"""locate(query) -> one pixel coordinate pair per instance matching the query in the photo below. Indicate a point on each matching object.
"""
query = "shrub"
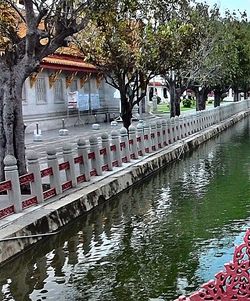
(187, 103)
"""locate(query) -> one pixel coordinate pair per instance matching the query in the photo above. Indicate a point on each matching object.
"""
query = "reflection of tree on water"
(143, 244)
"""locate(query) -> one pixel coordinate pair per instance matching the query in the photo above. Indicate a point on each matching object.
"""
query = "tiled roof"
(66, 62)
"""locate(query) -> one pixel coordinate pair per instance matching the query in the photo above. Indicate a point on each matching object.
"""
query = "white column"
(82, 150)
(107, 157)
(115, 138)
(55, 180)
(11, 174)
(96, 161)
(34, 167)
(68, 157)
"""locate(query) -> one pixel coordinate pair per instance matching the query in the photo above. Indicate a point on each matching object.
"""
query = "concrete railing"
(99, 156)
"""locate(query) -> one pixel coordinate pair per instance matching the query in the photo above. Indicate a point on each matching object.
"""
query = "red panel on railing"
(78, 160)
(93, 173)
(49, 193)
(132, 156)
(152, 135)
(105, 167)
(164, 132)
(159, 145)
(131, 141)
(113, 148)
(26, 179)
(91, 155)
(231, 284)
(103, 151)
(138, 139)
(29, 202)
(47, 172)
(115, 163)
(4, 186)
(169, 131)
(158, 134)
(7, 211)
(146, 137)
(140, 153)
(122, 144)
(153, 148)
(81, 179)
(64, 166)
(66, 185)
(147, 150)
(124, 160)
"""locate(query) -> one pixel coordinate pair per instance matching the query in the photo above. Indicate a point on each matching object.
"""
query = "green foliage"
(187, 103)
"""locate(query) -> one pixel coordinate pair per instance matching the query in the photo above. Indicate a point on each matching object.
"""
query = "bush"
(187, 103)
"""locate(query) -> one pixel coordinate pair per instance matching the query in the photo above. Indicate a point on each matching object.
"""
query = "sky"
(231, 5)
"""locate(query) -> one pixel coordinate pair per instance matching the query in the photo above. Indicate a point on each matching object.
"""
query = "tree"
(28, 33)
(121, 43)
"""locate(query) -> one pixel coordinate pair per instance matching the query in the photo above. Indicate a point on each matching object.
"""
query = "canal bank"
(50, 217)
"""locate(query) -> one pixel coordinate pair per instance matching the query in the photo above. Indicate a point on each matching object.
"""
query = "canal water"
(162, 238)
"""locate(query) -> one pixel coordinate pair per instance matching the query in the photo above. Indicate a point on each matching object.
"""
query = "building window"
(73, 86)
(58, 91)
(40, 88)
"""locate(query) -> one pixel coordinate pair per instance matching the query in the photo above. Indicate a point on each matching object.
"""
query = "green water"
(158, 240)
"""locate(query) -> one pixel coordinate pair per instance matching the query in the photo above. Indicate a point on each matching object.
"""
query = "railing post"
(124, 141)
(107, 158)
(154, 137)
(115, 138)
(82, 150)
(140, 139)
(55, 179)
(11, 174)
(147, 139)
(133, 142)
(159, 134)
(164, 132)
(34, 167)
(173, 129)
(169, 129)
(181, 127)
(96, 161)
(177, 127)
(68, 157)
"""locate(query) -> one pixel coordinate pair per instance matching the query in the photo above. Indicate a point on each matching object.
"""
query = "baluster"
(140, 139)
(34, 167)
(55, 179)
(147, 138)
(107, 157)
(68, 157)
(133, 142)
(125, 143)
(96, 160)
(82, 150)
(115, 138)
(11, 174)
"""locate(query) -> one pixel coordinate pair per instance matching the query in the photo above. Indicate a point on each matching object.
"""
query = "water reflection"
(160, 239)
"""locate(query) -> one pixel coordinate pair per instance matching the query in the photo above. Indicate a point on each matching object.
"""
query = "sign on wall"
(83, 102)
(95, 101)
(73, 100)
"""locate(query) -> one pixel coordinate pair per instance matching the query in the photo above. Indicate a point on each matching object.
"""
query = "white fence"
(93, 160)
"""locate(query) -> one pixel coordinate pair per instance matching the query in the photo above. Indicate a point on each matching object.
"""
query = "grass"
(164, 108)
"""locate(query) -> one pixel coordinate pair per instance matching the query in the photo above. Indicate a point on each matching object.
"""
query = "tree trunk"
(217, 97)
(201, 98)
(172, 92)
(126, 111)
(245, 94)
(236, 94)
(11, 121)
